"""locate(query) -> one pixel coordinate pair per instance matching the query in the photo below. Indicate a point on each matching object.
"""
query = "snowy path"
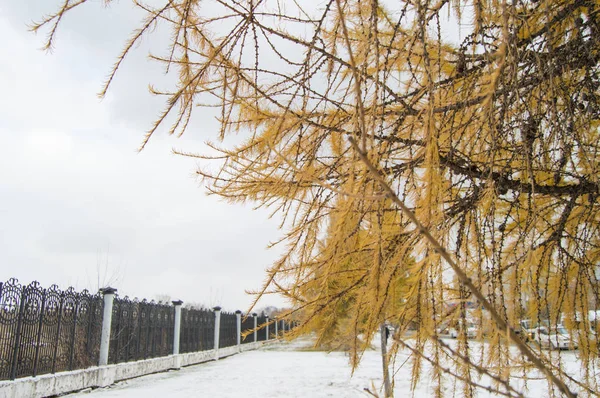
(279, 370)
(274, 371)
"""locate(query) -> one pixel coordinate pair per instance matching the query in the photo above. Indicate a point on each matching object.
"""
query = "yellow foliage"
(490, 138)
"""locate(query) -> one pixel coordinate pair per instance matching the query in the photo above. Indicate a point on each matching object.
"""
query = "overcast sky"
(78, 203)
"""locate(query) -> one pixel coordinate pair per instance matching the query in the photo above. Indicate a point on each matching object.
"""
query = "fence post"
(109, 295)
(276, 327)
(267, 331)
(177, 326)
(177, 333)
(217, 310)
(238, 323)
(255, 326)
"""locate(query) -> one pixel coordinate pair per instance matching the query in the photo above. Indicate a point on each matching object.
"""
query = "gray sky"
(78, 203)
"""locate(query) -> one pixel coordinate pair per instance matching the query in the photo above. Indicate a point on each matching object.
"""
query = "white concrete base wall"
(102, 376)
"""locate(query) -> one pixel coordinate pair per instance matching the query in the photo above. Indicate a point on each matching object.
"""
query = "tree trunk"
(384, 362)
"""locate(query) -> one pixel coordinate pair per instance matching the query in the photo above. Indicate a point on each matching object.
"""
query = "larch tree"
(412, 167)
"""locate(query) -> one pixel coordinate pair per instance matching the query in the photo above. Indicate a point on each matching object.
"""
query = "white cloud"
(77, 200)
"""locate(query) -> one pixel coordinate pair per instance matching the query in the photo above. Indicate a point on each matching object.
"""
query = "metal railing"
(47, 330)
(197, 330)
(52, 330)
(262, 332)
(228, 332)
(140, 330)
(247, 327)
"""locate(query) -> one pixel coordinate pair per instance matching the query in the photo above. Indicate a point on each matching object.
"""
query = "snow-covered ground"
(282, 370)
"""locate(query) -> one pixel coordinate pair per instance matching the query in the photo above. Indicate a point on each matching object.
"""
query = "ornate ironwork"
(247, 329)
(47, 330)
(228, 330)
(50, 330)
(262, 328)
(197, 330)
(140, 330)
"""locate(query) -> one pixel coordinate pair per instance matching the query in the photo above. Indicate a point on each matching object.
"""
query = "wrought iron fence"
(283, 325)
(277, 327)
(228, 330)
(197, 330)
(247, 329)
(47, 330)
(262, 329)
(273, 327)
(140, 330)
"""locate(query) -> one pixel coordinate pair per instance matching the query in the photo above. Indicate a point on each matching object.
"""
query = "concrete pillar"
(109, 296)
(267, 327)
(217, 310)
(177, 326)
(255, 326)
(276, 327)
(238, 323)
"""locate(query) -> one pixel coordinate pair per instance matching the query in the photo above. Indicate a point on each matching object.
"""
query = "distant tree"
(162, 298)
(194, 306)
(398, 158)
(269, 311)
(107, 273)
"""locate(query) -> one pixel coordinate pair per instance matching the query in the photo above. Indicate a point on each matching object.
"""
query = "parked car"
(526, 329)
(557, 338)
(453, 332)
